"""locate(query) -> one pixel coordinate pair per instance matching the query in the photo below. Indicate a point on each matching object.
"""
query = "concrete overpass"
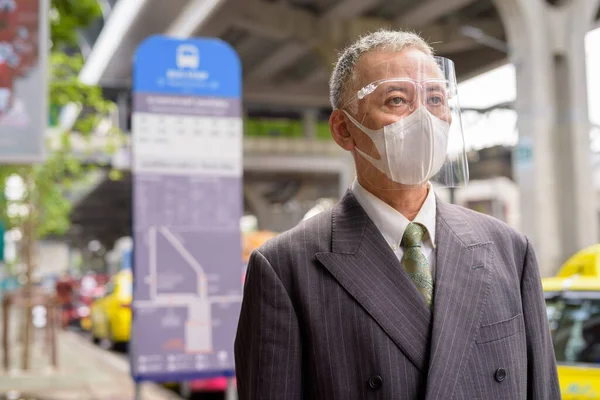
(287, 48)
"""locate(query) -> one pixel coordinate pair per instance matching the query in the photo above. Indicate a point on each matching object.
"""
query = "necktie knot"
(413, 235)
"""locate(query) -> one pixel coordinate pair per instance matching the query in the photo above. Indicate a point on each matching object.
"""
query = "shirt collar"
(390, 222)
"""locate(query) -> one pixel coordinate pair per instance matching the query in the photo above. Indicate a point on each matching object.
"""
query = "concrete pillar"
(552, 160)
(578, 193)
(259, 206)
(123, 110)
(310, 119)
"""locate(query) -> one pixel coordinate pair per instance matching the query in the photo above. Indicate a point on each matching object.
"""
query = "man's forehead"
(408, 63)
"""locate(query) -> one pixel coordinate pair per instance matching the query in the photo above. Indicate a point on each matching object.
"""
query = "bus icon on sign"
(188, 56)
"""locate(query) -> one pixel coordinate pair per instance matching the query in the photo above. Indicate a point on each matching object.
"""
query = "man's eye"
(397, 101)
(436, 101)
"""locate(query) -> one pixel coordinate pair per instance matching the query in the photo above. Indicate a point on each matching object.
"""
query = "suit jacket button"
(375, 382)
(500, 375)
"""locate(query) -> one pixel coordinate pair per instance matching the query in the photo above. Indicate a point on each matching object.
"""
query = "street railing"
(25, 299)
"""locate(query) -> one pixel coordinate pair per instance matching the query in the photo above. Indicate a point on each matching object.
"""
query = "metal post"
(231, 393)
(138, 391)
(51, 329)
(5, 322)
(27, 335)
(29, 235)
(123, 110)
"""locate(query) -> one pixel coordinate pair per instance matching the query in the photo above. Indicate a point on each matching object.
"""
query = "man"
(394, 294)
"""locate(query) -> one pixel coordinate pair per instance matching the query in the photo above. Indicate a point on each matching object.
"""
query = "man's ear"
(338, 125)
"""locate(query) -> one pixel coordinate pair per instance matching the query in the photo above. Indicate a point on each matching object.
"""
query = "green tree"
(67, 17)
(46, 203)
(44, 206)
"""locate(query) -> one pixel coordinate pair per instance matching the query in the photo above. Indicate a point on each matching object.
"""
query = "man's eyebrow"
(396, 89)
(437, 86)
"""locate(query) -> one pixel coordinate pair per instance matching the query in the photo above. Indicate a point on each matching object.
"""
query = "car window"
(554, 310)
(576, 329)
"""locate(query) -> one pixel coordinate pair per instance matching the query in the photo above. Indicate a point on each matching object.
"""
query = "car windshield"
(575, 327)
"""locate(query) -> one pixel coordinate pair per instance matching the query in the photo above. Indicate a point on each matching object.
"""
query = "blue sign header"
(197, 67)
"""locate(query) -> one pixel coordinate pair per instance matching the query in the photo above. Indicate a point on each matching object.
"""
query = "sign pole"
(231, 392)
(138, 391)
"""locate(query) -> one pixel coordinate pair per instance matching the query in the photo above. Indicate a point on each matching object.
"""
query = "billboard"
(23, 83)
(187, 205)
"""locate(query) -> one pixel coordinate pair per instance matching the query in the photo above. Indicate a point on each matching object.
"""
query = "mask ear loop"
(358, 96)
(343, 108)
(431, 146)
(423, 94)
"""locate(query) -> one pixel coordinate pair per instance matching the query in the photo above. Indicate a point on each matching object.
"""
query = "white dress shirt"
(392, 224)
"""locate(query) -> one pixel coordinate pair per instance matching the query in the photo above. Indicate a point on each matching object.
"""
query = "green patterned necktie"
(415, 263)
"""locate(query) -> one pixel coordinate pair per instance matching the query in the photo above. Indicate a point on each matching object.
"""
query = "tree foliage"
(68, 16)
(46, 203)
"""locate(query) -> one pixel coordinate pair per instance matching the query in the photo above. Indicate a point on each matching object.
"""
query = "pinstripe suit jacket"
(330, 314)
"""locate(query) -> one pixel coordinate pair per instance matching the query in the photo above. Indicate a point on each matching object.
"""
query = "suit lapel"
(461, 286)
(363, 263)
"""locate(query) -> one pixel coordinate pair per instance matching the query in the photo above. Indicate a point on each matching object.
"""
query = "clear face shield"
(409, 124)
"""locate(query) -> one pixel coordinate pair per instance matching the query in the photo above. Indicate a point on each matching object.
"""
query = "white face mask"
(412, 150)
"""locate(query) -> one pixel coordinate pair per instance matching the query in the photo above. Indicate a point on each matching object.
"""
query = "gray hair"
(343, 72)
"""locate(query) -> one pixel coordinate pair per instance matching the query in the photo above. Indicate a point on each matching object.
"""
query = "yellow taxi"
(573, 307)
(253, 240)
(111, 314)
